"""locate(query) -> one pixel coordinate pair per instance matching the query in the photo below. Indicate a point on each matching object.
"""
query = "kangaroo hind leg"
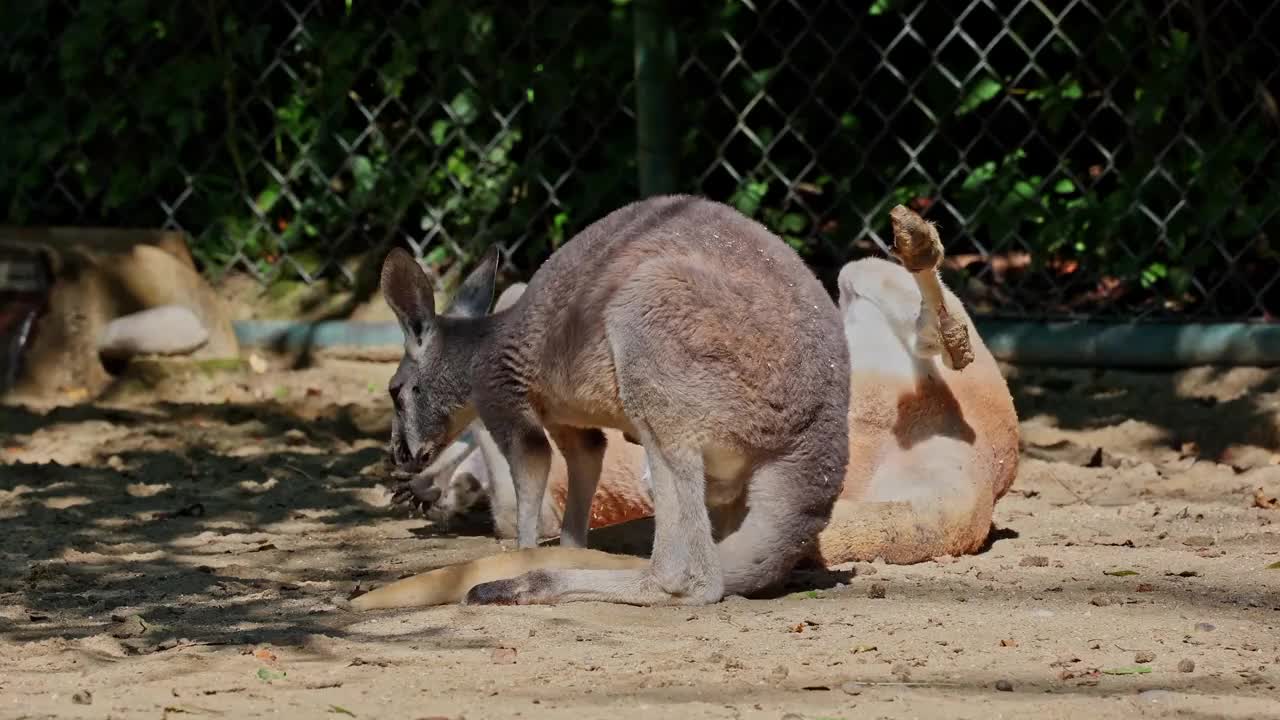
(684, 568)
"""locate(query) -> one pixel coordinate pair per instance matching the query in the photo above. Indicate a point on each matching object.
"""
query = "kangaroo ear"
(475, 296)
(407, 289)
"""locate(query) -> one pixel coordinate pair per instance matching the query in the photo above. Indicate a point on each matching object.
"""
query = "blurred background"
(1082, 159)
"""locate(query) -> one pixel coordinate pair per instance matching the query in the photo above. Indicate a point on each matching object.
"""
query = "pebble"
(1100, 601)
(1142, 657)
(1034, 561)
(876, 591)
(851, 688)
(84, 697)
(1186, 665)
(1004, 686)
(1198, 541)
(1205, 627)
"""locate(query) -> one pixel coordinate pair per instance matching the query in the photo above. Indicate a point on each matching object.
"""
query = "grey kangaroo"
(679, 322)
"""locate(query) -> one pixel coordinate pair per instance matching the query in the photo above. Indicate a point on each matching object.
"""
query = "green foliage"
(285, 144)
(284, 139)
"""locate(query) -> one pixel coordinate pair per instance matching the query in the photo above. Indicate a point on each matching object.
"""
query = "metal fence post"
(655, 67)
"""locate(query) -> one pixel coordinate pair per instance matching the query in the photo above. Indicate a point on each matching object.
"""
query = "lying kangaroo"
(931, 451)
(681, 323)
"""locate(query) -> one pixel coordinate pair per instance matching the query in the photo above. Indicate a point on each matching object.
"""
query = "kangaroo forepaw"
(527, 589)
(419, 492)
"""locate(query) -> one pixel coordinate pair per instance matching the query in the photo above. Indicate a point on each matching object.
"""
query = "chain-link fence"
(1081, 159)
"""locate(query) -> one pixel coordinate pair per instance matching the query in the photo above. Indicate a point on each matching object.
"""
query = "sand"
(177, 556)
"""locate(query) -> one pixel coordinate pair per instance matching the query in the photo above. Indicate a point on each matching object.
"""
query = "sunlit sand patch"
(66, 501)
(145, 490)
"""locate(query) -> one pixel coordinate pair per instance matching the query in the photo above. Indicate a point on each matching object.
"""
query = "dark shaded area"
(1084, 399)
(186, 446)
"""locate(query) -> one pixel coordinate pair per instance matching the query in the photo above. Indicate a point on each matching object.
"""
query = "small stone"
(1100, 601)
(1142, 657)
(1146, 587)
(1004, 686)
(851, 688)
(84, 697)
(1186, 665)
(1034, 561)
(1198, 541)
(793, 716)
(1095, 645)
(876, 591)
(1205, 627)
(129, 626)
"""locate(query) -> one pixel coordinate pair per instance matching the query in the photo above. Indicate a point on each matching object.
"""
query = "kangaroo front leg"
(685, 566)
(529, 457)
(583, 452)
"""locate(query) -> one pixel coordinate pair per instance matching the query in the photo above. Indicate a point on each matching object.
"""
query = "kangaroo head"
(431, 387)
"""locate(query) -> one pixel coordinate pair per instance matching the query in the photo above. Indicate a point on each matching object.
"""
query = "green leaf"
(1064, 187)
(338, 709)
(363, 172)
(439, 129)
(880, 7)
(267, 198)
(792, 223)
(986, 89)
(747, 198)
(1274, 565)
(1131, 670)
(1119, 573)
(267, 675)
(980, 176)
(464, 108)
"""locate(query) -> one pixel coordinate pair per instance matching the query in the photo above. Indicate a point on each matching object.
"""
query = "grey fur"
(681, 323)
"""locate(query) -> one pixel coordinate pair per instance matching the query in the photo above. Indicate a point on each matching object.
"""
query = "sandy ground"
(178, 558)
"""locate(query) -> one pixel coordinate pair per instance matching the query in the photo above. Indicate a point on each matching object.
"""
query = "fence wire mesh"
(1081, 158)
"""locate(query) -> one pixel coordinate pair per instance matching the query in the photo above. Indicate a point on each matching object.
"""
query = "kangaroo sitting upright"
(931, 451)
(683, 324)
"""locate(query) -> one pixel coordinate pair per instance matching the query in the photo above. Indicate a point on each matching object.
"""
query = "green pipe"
(1093, 344)
(1136, 345)
(656, 77)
